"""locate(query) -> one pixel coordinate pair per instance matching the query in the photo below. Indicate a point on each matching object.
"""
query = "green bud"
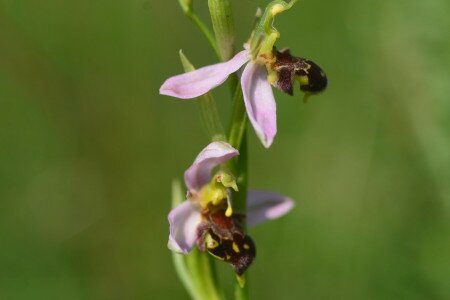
(186, 6)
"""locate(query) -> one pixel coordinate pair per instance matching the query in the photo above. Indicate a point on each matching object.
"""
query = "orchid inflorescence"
(208, 218)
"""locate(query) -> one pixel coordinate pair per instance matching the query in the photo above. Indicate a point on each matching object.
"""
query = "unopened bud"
(186, 6)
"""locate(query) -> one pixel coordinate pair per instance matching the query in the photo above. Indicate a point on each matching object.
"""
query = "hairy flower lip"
(290, 68)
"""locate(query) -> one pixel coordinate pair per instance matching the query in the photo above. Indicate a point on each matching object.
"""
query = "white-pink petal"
(259, 102)
(193, 84)
(184, 221)
(199, 173)
(263, 206)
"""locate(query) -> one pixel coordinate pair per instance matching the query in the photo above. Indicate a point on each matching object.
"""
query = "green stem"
(187, 8)
(238, 120)
(223, 25)
(222, 21)
(201, 267)
(206, 32)
(237, 138)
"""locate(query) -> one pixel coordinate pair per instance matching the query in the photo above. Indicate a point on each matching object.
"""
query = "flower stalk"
(187, 8)
(241, 291)
(223, 24)
(238, 120)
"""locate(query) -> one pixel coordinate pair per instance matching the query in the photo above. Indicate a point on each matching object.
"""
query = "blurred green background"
(88, 150)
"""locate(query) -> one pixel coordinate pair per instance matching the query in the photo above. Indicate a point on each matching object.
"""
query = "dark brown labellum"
(290, 68)
(224, 238)
(239, 251)
(317, 80)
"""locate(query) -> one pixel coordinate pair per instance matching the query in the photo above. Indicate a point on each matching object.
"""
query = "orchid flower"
(206, 218)
(263, 68)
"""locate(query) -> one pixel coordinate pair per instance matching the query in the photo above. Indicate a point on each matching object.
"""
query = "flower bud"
(186, 6)
(223, 24)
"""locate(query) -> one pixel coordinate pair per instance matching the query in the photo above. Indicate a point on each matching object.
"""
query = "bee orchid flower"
(263, 68)
(206, 218)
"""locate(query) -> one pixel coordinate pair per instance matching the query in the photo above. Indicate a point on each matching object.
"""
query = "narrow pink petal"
(259, 102)
(199, 173)
(183, 220)
(193, 84)
(262, 206)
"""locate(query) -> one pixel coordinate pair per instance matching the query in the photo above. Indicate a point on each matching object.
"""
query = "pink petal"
(199, 82)
(262, 206)
(199, 173)
(184, 220)
(259, 102)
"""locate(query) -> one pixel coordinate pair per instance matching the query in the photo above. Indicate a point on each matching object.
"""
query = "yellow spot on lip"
(213, 255)
(236, 247)
(246, 246)
(210, 242)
